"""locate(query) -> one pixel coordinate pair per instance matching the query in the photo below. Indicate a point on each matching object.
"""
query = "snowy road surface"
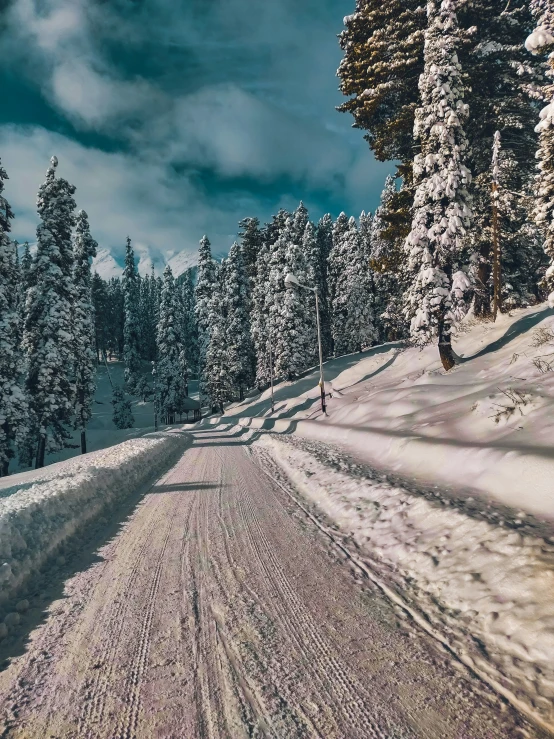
(220, 610)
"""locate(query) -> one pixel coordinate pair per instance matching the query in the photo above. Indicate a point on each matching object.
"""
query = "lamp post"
(271, 366)
(154, 376)
(291, 281)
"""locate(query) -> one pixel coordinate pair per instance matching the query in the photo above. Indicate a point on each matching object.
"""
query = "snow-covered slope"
(495, 409)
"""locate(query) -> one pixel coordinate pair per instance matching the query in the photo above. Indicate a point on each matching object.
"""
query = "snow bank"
(39, 510)
(482, 577)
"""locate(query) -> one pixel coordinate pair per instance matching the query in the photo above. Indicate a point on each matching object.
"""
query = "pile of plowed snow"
(40, 510)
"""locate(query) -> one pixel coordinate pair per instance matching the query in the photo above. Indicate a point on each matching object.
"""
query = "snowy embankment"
(480, 578)
(40, 510)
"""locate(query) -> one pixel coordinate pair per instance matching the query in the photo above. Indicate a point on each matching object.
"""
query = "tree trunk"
(241, 392)
(40, 453)
(4, 468)
(83, 441)
(482, 304)
(446, 352)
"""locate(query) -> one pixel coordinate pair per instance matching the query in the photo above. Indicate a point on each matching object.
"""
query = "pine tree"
(100, 305)
(500, 77)
(437, 295)
(251, 240)
(204, 292)
(116, 312)
(353, 324)
(260, 328)
(48, 337)
(169, 386)
(131, 329)
(189, 329)
(387, 261)
(293, 311)
(541, 42)
(26, 262)
(324, 238)
(12, 399)
(84, 249)
(239, 342)
(217, 382)
(122, 412)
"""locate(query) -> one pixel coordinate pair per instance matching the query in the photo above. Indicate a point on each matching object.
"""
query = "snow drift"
(40, 510)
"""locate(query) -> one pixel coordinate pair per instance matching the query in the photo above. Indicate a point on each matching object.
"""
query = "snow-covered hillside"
(457, 428)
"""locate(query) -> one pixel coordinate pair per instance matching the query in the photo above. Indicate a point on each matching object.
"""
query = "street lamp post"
(291, 281)
(271, 367)
(154, 376)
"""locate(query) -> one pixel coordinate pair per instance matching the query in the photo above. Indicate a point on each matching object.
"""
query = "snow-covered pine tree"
(335, 266)
(189, 330)
(353, 325)
(13, 410)
(500, 77)
(48, 336)
(240, 350)
(26, 262)
(116, 313)
(251, 240)
(147, 312)
(216, 377)
(315, 277)
(170, 383)
(387, 263)
(324, 237)
(84, 248)
(293, 312)
(206, 286)
(131, 328)
(122, 412)
(268, 287)
(99, 296)
(437, 296)
(541, 42)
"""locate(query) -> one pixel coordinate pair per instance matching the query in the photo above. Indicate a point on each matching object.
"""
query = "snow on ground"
(101, 432)
(40, 509)
(481, 576)
(487, 425)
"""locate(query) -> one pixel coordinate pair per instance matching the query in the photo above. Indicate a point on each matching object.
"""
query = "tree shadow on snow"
(521, 326)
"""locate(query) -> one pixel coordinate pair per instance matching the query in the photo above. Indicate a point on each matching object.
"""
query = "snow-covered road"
(221, 610)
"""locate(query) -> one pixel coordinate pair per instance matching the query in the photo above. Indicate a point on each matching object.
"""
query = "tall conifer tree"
(12, 399)
(48, 336)
(84, 249)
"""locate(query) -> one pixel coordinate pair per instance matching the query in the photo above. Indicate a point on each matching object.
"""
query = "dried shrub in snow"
(542, 336)
(516, 400)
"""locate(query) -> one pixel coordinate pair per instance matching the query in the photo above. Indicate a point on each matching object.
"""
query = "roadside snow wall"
(39, 514)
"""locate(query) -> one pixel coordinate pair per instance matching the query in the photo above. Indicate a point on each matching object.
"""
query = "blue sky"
(176, 118)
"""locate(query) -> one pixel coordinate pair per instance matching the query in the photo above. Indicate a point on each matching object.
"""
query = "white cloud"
(122, 194)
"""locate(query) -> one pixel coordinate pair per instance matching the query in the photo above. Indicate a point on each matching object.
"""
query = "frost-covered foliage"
(387, 259)
(205, 286)
(84, 248)
(240, 351)
(217, 381)
(131, 330)
(122, 413)
(13, 410)
(294, 314)
(48, 336)
(188, 329)
(541, 42)
(318, 273)
(353, 323)
(437, 296)
(171, 385)
(251, 240)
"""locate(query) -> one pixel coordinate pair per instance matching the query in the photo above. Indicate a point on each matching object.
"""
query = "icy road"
(220, 609)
